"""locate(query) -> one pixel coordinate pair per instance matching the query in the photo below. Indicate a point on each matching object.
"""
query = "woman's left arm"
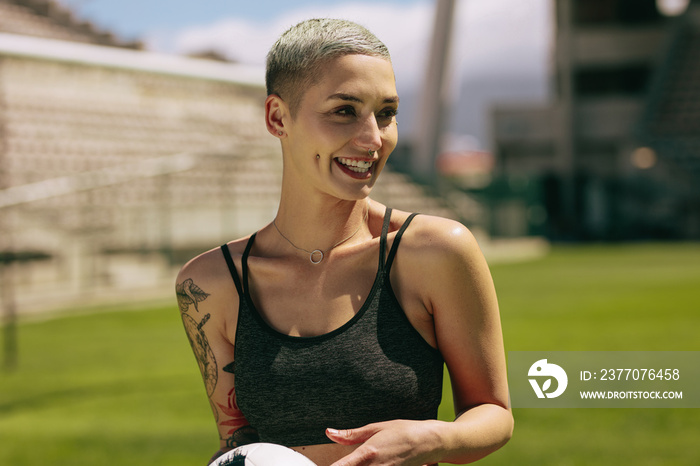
(460, 295)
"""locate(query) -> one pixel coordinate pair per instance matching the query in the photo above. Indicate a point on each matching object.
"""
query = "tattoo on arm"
(214, 410)
(190, 294)
(240, 432)
(243, 436)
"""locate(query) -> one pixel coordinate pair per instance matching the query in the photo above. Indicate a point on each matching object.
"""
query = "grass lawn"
(121, 387)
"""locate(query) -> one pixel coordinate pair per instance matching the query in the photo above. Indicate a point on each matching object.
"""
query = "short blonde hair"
(294, 60)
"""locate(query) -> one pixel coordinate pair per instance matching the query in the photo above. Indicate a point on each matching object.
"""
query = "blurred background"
(132, 139)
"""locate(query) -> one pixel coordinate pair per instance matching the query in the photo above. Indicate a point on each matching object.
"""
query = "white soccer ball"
(262, 454)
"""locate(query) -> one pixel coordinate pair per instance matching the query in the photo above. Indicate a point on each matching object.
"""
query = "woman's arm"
(206, 295)
(469, 335)
(441, 258)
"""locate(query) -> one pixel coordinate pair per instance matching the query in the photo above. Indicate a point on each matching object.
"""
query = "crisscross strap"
(241, 285)
(397, 239)
(244, 261)
(232, 267)
(382, 239)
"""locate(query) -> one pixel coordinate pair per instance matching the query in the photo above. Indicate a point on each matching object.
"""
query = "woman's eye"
(388, 113)
(345, 111)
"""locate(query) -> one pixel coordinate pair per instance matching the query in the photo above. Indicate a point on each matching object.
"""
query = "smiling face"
(349, 112)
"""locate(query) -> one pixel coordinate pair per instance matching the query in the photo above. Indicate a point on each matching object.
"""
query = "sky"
(132, 17)
(492, 38)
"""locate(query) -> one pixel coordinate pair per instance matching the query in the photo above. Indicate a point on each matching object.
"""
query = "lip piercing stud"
(370, 152)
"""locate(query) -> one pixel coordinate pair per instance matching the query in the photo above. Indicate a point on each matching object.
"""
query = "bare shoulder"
(206, 277)
(438, 241)
(440, 261)
(209, 265)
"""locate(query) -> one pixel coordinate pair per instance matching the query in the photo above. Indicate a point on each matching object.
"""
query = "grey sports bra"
(376, 367)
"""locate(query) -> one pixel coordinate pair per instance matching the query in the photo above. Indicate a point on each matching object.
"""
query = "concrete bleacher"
(67, 117)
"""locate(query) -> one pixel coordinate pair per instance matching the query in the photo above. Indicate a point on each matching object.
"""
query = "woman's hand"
(400, 442)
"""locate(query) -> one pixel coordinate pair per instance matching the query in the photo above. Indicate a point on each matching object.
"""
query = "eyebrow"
(352, 98)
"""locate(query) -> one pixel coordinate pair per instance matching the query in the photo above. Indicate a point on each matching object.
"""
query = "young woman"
(327, 330)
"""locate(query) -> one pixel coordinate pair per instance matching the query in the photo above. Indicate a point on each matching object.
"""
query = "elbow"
(506, 431)
(481, 440)
(510, 426)
(502, 435)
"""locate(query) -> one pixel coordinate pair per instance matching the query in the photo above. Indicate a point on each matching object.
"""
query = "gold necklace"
(317, 252)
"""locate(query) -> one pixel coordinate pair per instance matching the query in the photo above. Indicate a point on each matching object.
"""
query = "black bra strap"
(397, 239)
(232, 268)
(382, 239)
(244, 261)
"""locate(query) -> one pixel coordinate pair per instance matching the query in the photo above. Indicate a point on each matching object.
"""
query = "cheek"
(390, 137)
(325, 134)
(310, 140)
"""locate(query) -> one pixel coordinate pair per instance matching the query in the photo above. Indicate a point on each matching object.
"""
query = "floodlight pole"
(434, 96)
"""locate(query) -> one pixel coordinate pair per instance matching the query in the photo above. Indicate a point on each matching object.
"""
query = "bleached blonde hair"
(294, 61)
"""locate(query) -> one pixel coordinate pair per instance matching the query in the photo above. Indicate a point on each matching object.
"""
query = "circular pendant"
(316, 253)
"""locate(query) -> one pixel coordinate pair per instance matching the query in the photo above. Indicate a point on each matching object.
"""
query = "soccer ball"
(262, 454)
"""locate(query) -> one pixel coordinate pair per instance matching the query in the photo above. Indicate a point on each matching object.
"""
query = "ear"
(276, 112)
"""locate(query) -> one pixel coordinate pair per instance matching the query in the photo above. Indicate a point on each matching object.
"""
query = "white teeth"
(358, 166)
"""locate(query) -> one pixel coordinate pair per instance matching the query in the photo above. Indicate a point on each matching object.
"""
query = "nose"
(369, 136)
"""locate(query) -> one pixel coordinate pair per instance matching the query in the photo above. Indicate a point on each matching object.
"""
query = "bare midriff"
(325, 454)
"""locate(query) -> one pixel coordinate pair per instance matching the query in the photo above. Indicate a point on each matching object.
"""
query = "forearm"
(475, 434)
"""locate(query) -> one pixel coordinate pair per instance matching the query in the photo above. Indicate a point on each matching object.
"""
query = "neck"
(320, 224)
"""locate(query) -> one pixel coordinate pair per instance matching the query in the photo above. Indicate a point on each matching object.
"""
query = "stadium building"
(616, 154)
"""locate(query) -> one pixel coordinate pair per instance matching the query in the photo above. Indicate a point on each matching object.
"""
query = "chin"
(347, 189)
(360, 192)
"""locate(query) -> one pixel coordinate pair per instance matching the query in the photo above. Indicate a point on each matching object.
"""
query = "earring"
(370, 152)
(280, 133)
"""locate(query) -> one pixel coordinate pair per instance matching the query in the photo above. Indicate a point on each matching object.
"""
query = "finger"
(351, 436)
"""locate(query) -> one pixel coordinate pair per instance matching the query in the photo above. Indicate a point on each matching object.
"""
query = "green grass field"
(121, 387)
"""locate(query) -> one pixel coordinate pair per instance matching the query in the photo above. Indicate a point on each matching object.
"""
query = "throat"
(316, 256)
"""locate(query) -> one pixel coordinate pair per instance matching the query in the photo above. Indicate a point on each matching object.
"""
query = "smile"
(358, 166)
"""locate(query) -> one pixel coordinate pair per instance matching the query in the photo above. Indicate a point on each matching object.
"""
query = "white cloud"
(503, 35)
(239, 40)
(403, 30)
